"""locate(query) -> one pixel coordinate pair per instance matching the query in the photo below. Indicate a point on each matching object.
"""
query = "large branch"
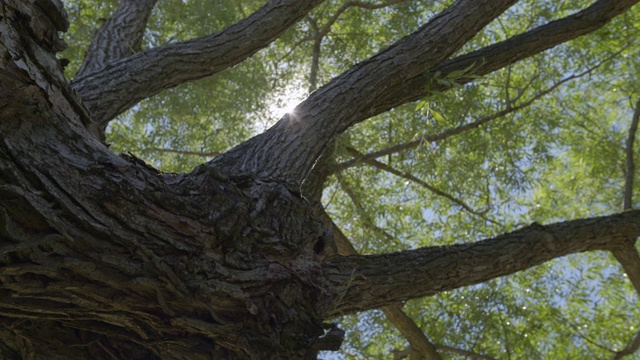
(509, 109)
(517, 48)
(396, 76)
(289, 150)
(120, 85)
(394, 313)
(118, 37)
(431, 270)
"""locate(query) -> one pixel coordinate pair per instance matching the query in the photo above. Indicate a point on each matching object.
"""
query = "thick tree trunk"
(115, 258)
(101, 256)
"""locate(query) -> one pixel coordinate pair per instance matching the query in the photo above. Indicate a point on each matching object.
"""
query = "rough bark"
(120, 36)
(396, 77)
(103, 257)
(120, 85)
(303, 135)
(514, 49)
(115, 258)
(419, 273)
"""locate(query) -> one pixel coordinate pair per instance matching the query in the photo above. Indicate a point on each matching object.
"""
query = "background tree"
(421, 128)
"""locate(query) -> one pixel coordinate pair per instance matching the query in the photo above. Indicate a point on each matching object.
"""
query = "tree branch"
(118, 37)
(630, 171)
(631, 347)
(315, 54)
(412, 332)
(122, 84)
(349, 98)
(517, 48)
(466, 353)
(366, 219)
(394, 313)
(431, 188)
(472, 125)
(397, 354)
(327, 26)
(430, 270)
(181, 152)
(320, 33)
(628, 256)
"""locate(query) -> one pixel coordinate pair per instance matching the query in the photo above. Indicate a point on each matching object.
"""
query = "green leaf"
(437, 116)
(421, 104)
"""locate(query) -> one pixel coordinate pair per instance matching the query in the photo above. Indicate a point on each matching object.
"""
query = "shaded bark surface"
(120, 36)
(116, 258)
(103, 257)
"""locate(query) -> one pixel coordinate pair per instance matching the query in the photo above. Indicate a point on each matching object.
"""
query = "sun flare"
(285, 102)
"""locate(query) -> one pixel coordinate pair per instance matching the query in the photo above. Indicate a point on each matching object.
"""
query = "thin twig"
(315, 55)
(321, 33)
(368, 222)
(327, 27)
(183, 152)
(469, 354)
(572, 326)
(431, 188)
(627, 201)
(631, 347)
(458, 130)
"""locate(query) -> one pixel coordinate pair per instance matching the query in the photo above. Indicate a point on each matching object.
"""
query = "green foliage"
(560, 156)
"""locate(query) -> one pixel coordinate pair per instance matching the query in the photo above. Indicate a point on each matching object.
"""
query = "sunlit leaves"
(558, 158)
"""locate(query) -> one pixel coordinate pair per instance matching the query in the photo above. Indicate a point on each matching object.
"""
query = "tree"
(103, 256)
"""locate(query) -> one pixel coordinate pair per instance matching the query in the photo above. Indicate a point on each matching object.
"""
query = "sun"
(283, 108)
(285, 102)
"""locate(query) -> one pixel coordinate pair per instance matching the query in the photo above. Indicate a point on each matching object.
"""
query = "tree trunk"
(116, 259)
